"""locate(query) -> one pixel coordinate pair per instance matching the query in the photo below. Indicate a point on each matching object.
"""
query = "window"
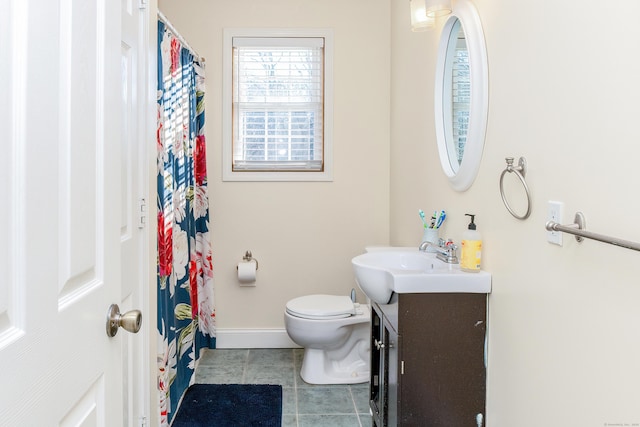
(277, 114)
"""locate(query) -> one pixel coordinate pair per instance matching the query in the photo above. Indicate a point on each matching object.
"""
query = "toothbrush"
(424, 221)
(441, 217)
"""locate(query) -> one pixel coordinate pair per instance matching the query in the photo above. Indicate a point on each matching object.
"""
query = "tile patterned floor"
(303, 405)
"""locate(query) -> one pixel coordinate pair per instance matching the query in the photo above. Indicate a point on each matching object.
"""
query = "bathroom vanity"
(428, 360)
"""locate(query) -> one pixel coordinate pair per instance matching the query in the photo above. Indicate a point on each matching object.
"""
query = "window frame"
(228, 174)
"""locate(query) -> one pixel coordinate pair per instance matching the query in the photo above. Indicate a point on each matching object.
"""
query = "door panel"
(12, 300)
(130, 189)
(61, 255)
(87, 411)
(80, 184)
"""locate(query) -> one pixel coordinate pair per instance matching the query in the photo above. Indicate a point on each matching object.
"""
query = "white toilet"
(335, 334)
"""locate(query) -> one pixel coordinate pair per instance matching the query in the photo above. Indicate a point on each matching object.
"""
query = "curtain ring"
(520, 172)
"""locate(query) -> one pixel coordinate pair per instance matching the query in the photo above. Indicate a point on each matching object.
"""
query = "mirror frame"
(465, 12)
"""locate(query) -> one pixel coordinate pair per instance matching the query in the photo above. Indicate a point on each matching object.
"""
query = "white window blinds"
(278, 103)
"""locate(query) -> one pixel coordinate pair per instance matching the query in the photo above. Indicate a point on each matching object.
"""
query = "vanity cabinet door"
(377, 395)
(383, 386)
(392, 373)
(442, 368)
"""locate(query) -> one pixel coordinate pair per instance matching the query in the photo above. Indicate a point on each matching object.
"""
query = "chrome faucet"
(445, 251)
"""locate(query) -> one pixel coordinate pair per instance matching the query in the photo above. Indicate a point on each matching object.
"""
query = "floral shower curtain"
(186, 312)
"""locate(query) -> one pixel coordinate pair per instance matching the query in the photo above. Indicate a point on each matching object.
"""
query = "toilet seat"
(321, 307)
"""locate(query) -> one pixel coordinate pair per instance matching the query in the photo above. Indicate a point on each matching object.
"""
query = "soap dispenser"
(471, 248)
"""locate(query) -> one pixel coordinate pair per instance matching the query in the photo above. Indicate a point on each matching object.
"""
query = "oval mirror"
(461, 95)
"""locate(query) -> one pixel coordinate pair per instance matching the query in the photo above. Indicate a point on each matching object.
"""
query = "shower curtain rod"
(178, 35)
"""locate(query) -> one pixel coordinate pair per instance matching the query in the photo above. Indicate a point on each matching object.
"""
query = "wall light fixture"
(437, 8)
(419, 19)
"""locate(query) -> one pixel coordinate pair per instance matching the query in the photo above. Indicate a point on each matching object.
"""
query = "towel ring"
(520, 172)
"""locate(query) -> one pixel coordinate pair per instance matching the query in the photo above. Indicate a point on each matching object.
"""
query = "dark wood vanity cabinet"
(428, 360)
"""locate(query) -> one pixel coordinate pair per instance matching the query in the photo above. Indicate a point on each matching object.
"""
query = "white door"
(133, 226)
(61, 219)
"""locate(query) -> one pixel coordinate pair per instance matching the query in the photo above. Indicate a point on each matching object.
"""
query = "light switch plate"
(554, 213)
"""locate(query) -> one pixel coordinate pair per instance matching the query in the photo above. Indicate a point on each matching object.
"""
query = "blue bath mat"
(230, 405)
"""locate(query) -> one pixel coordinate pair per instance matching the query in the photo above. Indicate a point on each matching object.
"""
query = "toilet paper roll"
(247, 271)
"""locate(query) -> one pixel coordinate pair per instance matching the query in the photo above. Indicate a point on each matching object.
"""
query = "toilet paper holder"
(249, 257)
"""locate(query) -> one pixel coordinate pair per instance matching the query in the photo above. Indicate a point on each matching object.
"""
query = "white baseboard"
(253, 338)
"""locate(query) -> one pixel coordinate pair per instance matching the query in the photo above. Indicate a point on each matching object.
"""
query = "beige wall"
(564, 334)
(303, 234)
(564, 331)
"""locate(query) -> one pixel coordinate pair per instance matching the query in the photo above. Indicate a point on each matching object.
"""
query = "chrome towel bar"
(578, 229)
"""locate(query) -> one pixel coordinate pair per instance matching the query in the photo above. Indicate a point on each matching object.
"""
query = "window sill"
(325, 176)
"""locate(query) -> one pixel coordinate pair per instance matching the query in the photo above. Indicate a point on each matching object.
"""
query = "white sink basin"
(382, 271)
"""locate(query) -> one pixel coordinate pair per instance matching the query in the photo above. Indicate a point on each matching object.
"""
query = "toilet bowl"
(335, 334)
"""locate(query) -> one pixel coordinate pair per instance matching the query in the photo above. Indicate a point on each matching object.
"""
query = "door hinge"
(402, 367)
(142, 213)
(143, 421)
(142, 4)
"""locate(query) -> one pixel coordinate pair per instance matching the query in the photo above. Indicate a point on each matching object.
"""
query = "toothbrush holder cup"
(430, 235)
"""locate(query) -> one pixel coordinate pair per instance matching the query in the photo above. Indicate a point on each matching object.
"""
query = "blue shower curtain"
(186, 311)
